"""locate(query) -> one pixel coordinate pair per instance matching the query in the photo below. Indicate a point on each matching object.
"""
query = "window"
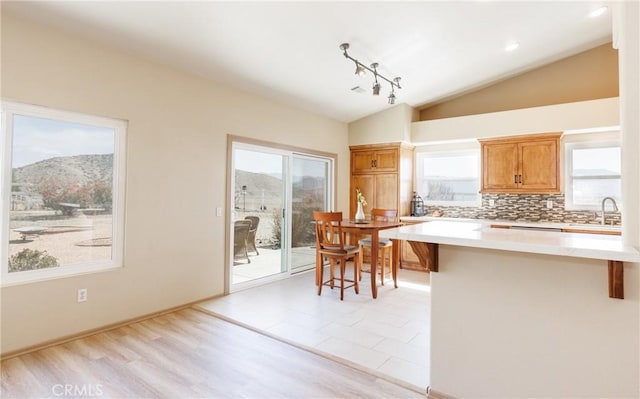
(449, 177)
(593, 171)
(62, 193)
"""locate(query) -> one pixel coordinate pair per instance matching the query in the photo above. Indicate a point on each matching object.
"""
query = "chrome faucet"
(615, 207)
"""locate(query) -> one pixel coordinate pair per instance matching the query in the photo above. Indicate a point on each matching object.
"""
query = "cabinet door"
(362, 161)
(539, 165)
(366, 184)
(386, 191)
(386, 160)
(499, 166)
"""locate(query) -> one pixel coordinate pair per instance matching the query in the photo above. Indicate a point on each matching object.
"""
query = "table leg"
(374, 263)
(395, 262)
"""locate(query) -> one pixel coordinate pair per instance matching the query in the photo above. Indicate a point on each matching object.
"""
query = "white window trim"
(10, 108)
(445, 153)
(568, 178)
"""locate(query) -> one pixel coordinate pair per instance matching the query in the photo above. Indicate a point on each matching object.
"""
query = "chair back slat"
(329, 235)
(387, 215)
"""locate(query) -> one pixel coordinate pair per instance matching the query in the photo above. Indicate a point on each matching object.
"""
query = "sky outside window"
(36, 139)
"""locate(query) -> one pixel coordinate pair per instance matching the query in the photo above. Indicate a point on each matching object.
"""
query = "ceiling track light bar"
(360, 70)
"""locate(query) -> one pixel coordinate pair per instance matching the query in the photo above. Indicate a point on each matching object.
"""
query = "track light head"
(376, 89)
(360, 69)
(392, 98)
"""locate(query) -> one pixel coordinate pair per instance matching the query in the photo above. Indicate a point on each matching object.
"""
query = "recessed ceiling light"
(511, 46)
(598, 12)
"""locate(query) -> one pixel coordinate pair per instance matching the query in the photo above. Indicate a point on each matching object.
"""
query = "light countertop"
(544, 225)
(480, 234)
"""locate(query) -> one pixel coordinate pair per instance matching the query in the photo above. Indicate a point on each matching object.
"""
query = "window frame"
(7, 110)
(419, 159)
(568, 177)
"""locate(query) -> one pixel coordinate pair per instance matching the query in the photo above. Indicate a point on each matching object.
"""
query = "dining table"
(372, 227)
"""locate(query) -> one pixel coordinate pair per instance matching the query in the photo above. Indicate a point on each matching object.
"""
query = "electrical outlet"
(218, 211)
(549, 204)
(82, 295)
(492, 203)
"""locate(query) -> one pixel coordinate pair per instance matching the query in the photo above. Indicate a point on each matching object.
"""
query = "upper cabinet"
(374, 160)
(522, 164)
(384, 175)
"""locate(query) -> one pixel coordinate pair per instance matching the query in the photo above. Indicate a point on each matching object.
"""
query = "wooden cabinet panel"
(539, 165)
(386, 191)
(523, 164)
(362, 161)
(500, 166)
(380, 160)
(386, 160)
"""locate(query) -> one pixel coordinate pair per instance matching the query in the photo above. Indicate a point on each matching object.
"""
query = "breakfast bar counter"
(482, 235)
(512, 311)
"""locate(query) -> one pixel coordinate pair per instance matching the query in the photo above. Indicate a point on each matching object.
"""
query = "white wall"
(550, 118)
(176, 171)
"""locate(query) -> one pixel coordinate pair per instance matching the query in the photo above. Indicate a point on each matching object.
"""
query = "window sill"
(37, 276)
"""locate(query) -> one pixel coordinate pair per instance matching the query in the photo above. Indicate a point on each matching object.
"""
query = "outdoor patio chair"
(251, 239)
(240, 236)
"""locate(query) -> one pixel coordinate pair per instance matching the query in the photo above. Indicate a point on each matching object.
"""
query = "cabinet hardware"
(515, 179)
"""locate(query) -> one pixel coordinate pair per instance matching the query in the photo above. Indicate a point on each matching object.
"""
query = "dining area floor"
(387, 336)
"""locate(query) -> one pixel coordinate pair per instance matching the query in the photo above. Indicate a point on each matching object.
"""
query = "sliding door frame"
(229, 206)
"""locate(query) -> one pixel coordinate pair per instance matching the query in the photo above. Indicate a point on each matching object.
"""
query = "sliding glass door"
(274, 193)
(310, 191)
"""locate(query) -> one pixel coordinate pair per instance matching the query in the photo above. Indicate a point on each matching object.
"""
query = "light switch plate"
(549, 204)
(218, 211)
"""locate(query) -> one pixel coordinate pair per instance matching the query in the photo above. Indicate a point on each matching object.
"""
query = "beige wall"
(585, 76)
(390, 125)
(176, 171)
(550, 118)
(512, 325)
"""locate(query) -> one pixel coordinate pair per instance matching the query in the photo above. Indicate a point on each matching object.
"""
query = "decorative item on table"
(361, 202)
(437, 213)
(417, 205)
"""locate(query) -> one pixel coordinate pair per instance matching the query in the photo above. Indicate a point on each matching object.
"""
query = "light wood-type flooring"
(186, 354)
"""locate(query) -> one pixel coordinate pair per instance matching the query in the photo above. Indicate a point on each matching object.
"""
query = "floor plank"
(186, 354)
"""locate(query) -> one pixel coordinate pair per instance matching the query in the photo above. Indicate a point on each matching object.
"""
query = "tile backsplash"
(524, 208)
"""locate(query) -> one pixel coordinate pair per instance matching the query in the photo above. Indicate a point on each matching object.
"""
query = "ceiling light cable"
(361, 69)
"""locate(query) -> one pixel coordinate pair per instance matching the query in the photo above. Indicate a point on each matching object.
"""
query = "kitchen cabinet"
(380, 160)
(384, 175)
(521, 164)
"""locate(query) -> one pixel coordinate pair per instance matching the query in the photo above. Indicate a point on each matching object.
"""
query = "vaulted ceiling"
(289, 51)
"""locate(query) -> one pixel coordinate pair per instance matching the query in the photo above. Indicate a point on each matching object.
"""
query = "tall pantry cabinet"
(384, 175)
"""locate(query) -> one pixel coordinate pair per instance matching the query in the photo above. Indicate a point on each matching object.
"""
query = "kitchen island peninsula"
(512, 311)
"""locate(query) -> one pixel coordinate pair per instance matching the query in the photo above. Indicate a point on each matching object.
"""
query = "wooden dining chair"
(385, 246)
(330, 243)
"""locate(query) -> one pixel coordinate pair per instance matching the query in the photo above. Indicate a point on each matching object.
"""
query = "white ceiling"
(289, 51)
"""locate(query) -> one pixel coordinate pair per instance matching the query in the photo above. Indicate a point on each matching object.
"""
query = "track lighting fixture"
(361, 70)
(376, 85)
